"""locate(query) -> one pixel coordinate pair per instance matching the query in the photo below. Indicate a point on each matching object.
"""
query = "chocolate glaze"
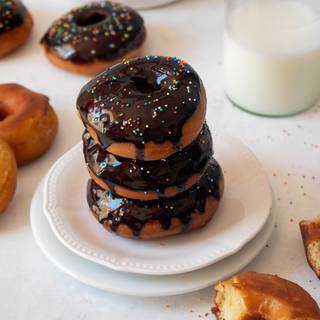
(12, 15)
(141, 100)
(99, 30)
(149, 175)
(116, 210)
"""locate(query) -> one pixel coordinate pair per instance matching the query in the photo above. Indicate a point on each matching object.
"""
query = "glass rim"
(314, 21)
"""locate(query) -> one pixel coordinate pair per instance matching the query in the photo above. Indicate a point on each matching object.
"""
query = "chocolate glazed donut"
(12, 15)
(145, 108)
(15, 25)
(148, 180)
(94, 34)
(187, 211)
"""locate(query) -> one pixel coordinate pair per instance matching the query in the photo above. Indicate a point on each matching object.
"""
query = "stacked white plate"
(137, 4)
(72, 239)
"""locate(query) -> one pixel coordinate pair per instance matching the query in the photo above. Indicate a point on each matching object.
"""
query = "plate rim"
(264, 235)
(144, 268)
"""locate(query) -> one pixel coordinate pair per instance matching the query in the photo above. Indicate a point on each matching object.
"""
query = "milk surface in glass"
(272, 55)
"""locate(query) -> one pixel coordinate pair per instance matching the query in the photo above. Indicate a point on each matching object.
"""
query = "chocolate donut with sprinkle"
(145, 108)
(189, 210)
(15, 25)
(148, 180)
(93, 37)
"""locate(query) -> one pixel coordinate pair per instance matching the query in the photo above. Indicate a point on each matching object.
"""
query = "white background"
(289, 148)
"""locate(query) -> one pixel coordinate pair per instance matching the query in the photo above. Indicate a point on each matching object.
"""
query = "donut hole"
(90, 19)
(3, 115)
(144, 85)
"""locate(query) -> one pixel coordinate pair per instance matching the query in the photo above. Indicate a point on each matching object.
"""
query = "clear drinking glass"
(272, 55)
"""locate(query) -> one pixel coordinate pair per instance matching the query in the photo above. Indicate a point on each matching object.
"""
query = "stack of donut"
(148, 149)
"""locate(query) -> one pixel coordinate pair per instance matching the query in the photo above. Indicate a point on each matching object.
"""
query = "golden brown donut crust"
(8, 175)
(268, 297)
(310, 231)
(27, 122)
(12, 40)
(90, 69)
(156, 151)
(153, 229)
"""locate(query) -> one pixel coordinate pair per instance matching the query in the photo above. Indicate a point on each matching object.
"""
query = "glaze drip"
(141, 100)
(149, 176)
(12, 14)
(100, 30)
(115, 210)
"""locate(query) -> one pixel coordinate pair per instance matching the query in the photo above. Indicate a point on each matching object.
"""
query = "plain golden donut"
(8, 175)
(310, 231)
(27, 122)
(252, 295)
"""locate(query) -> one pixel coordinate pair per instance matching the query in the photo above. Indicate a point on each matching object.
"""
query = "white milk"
(272, 56)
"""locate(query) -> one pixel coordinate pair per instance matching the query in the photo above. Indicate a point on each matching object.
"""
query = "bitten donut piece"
(252, 295)
(8, 175)
(187, 211)
(145, 108)
(93, 37)
(148, 180)
(27, 122)
(15, 25)
(310, 231)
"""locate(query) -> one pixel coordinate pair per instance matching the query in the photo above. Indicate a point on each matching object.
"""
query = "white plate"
(136, 4)
(244, 210)
(146, 4)
(106, 279)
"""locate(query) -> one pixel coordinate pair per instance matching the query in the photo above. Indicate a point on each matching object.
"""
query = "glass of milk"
(272, 55)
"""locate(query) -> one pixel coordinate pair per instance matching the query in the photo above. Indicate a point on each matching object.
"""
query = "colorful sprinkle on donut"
(11, 15)
(141, 100)
(99, 30)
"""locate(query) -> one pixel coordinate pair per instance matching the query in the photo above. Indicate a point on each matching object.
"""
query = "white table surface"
(289, 148)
